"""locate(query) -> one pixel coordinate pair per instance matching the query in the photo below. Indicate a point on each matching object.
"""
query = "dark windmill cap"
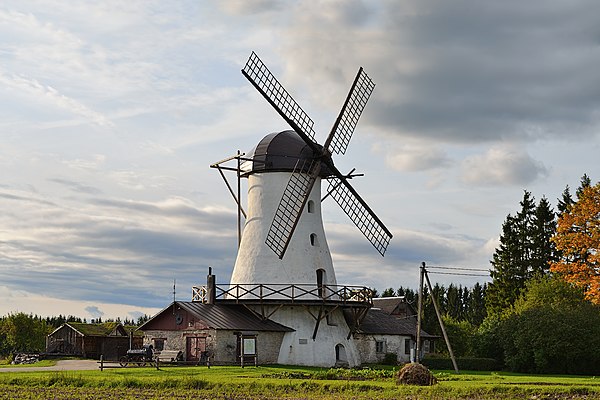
(280, 152)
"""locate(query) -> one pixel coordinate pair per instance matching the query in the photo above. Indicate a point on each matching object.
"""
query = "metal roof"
(85, 329)
(392, 305)
(380, 322)
(230, 317)
(280, 151)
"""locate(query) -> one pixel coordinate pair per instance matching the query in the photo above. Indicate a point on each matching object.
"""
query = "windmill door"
(195, 346)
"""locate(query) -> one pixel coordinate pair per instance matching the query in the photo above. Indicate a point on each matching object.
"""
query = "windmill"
(307, 170)
(283, 258)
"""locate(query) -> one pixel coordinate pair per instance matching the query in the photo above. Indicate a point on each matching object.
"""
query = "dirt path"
(61, 365)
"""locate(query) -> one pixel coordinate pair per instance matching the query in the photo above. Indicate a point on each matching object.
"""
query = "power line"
(456, 273)
(459, 268)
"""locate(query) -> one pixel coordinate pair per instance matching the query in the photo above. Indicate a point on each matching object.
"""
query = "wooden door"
(195, 345)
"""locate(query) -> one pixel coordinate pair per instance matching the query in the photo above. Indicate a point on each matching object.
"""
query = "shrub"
(390, 359)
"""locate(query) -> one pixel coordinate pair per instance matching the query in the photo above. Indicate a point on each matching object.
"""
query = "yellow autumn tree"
(577, 239)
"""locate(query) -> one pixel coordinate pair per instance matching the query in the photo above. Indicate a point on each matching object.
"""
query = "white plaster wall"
(393, 344)
(298, 347)
(256, 262)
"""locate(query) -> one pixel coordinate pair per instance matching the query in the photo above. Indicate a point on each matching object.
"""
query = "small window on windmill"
(311, 207)
(313, 240)
(302, 341)
(330, 320)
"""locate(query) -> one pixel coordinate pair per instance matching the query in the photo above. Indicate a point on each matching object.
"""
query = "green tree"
(584, 182)
(454, 302)
(543, 250)
(389, 292)
(460, 334)
(565, 201)
(21, 332)
(507, 278)
(410, 295)
(476, 311)
(430, 321)
(525, 251)
(551, 329)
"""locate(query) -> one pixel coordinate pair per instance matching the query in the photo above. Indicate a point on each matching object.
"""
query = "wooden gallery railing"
(287, 293)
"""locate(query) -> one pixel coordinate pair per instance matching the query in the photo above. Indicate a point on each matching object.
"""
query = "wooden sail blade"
(344, 126)
(265, 82)
(290, 206)
(360, 214)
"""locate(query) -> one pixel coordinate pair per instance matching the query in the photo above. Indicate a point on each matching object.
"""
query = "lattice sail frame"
(346, 122)
(266, 83)
(290, 206)
(362, 216)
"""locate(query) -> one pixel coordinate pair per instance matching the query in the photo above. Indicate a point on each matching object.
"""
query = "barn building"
(225, 331)
(221, 332)
(110, 339)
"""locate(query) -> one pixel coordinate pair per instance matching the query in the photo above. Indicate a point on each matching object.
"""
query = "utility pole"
(439, 317)
(239, 196)
(419, 313)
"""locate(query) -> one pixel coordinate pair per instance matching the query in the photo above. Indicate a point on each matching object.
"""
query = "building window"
(313, 239)
(311, 207)
(380, 346)
(330, 320)
(407, 346)
(159, 344)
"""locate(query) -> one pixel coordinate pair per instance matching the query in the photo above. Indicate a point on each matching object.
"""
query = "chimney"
(211, 289)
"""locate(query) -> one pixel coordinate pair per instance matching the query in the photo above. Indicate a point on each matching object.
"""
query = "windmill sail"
(344, 126)
(263, 80)
(290, 206)
(360, 213)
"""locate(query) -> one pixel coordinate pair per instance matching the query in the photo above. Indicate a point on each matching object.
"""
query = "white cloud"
(414, 156)
(502, 165)
(47, 94)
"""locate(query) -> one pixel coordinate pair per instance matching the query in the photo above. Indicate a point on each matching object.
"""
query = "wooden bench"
(169, 356)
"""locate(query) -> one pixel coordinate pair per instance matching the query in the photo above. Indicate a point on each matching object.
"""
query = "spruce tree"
(585, 182)
(544, 251)
(525, 251)
(565, 201)
(507, 279)
(477, 311)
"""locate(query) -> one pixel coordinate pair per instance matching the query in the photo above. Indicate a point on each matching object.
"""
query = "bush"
(415, 374)
(390, 359)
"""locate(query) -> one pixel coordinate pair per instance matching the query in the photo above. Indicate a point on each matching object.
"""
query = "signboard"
(249, 346)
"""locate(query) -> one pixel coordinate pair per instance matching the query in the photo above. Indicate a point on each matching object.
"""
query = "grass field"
(279, 382)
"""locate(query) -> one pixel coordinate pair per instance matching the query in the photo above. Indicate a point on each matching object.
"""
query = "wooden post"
(239, 196)
(101, 362)
(419, 312)
(242, 350)
(439, 316)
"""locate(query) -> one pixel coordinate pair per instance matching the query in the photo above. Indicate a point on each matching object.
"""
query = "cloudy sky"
(111, 113)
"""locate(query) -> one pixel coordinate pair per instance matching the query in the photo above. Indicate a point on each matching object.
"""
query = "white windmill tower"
(283, 269)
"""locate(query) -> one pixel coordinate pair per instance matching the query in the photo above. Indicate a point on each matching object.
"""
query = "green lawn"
(275, 382)
(42, 363)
